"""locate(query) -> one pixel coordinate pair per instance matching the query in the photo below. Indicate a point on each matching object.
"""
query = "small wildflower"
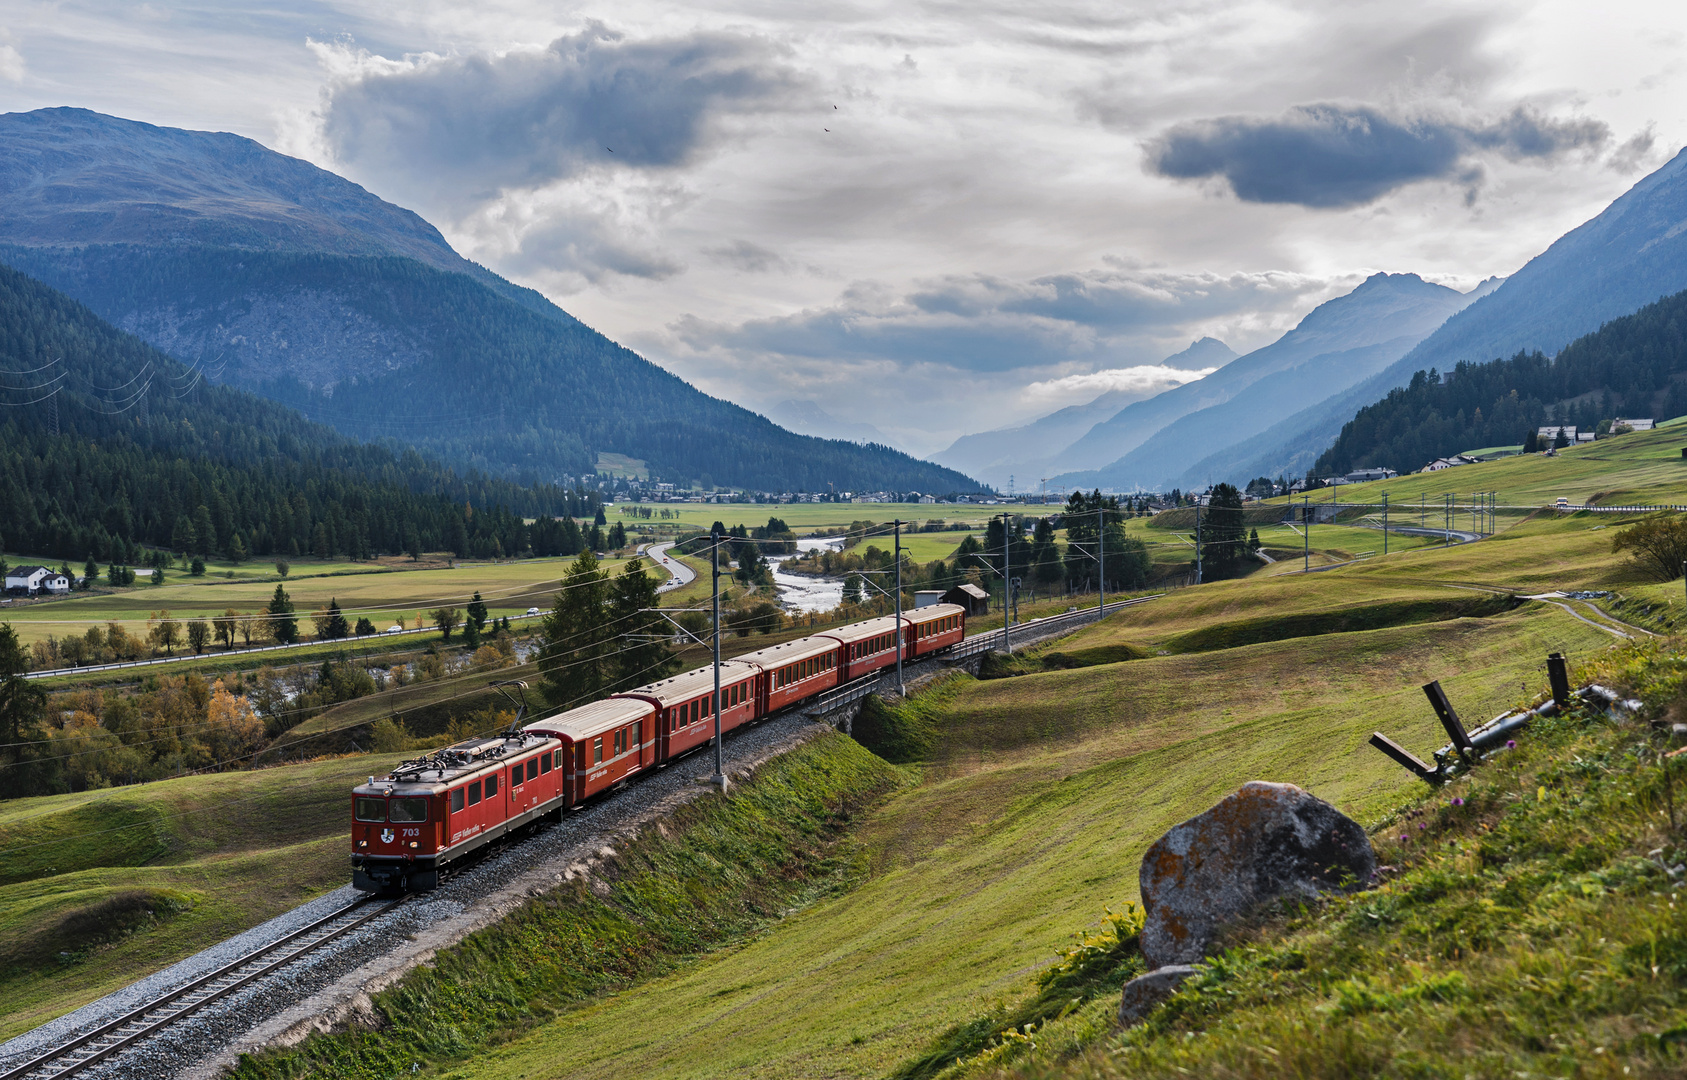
(1422, 826)
(1458, 802)
(1511, 744)
(1405, 839)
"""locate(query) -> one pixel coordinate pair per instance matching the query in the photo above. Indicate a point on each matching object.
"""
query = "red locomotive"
(428, 814)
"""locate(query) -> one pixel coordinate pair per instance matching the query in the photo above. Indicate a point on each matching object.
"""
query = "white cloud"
(11, 63)
(1141, 380)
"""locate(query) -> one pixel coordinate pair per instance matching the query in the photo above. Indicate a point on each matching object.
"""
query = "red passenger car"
(685, 705)
(866, 647)
(794, 670)
(934, 627)
(428, 813)
(602, 744)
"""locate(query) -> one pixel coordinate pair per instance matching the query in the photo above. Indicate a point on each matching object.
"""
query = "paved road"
(679, 574)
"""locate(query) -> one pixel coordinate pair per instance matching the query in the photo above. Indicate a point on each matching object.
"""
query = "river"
(800, 592)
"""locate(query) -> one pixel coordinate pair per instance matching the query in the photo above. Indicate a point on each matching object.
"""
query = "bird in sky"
(611, 149)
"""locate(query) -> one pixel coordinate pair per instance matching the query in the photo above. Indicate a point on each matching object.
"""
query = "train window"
(709, 706)
(533, 768)
(456, 800)
(544, 761)
(638, 733)
(474, 793)
(620, 743)
(492, 785)
(409, 810)
(369, 809)
(597, 751)
(558, 756)
(515, 775)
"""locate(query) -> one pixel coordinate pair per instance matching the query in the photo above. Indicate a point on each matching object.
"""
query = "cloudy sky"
(932, 217)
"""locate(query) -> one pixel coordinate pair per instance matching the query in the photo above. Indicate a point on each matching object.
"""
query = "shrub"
(1658, 544)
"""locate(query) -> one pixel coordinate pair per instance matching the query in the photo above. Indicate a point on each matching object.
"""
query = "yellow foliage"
(489, 657)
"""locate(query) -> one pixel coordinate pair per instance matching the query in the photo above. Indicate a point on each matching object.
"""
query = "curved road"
(679, 574)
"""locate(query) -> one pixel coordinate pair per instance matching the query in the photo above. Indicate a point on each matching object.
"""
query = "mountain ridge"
(1399, 309)
(1628, 255)
(293, 282)
(1000, 449)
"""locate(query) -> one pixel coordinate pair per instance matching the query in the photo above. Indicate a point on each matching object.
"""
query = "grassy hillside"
(1035, 810)
(1533, 927)
(100, 888)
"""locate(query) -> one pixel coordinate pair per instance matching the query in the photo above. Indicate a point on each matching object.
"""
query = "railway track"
(140, 1024)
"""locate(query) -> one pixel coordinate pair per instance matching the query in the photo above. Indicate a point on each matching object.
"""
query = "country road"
(679, 574)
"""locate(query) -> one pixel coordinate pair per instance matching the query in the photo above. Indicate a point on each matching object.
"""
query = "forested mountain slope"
(282, 278)
(1635, 366)
(1339, 343)
(107, 444)
(1632, 253)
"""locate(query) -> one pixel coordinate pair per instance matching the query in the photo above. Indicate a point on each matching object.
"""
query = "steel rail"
(46, 1060)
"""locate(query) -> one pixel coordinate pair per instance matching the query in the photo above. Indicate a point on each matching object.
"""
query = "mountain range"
(268, 273)
(1629, 255)
(1027, 453)
(1275, 410)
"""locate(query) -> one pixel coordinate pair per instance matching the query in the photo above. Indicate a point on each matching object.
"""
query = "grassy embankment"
(714, 874)
(1535, 927)
(100, 888)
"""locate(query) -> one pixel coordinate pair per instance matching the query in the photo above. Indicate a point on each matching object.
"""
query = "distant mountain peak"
(1205, 353)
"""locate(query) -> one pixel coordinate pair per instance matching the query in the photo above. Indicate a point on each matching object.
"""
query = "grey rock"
(1146, 991)
(1264, 842)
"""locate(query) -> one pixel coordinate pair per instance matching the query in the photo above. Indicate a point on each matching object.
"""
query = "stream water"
(800, 592)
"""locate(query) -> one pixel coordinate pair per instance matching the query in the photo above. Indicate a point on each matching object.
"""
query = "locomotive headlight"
(412, 843)
(363, 843)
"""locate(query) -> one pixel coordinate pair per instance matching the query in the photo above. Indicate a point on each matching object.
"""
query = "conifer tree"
(283, 624)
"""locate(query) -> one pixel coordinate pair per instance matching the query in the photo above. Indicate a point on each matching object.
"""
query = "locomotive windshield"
(409, 810)
(369, 809)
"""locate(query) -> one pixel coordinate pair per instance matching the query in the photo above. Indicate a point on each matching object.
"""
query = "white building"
(35, 579)
(1448, 463)
(1549, 435)
(1634, 425)
(1360, 476)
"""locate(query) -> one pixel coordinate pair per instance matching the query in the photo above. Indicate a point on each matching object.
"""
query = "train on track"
(430, 814)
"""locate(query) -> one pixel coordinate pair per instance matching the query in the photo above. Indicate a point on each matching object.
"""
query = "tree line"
(1627, 368)
(90, 467)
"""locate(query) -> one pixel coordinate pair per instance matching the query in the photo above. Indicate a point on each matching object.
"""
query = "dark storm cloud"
(1337, 156)
(526, 118)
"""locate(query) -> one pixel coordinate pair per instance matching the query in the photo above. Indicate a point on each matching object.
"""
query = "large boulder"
(1264, 842)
